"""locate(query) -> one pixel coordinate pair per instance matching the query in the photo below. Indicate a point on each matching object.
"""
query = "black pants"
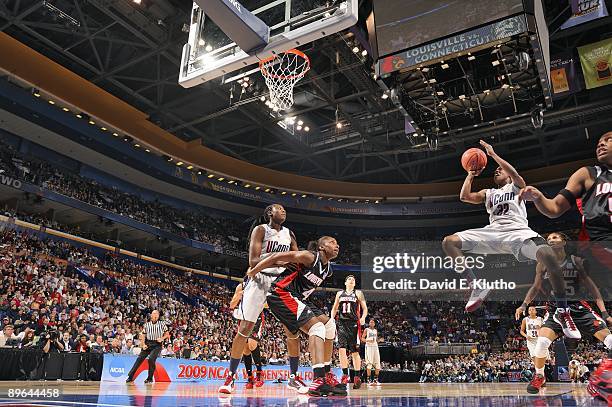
(153, 350)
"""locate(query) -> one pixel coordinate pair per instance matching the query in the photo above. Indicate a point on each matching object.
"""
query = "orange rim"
(264, 70)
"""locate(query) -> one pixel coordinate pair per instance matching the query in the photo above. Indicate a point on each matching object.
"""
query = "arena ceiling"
(133, 51)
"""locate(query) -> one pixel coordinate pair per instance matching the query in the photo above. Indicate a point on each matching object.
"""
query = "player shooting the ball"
(508, 232)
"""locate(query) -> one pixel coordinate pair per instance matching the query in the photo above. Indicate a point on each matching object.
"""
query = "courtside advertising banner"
(564, 75)
(117, 367)
(584, 11)
(596, 60)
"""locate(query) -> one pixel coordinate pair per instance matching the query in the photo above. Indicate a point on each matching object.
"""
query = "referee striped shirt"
(154, 331)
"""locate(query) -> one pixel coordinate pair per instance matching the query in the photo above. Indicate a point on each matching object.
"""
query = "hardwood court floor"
(89, 394)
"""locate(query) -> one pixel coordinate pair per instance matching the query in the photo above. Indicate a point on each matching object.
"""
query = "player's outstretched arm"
(533, 291)
(301, 257)
(557, 206)
(466, 194)
(505, 165)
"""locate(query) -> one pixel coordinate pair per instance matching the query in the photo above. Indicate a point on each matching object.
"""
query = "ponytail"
(313, 246)
(258, 220)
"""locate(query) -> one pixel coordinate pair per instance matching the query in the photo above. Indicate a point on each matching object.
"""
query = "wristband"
(524, 306)
(571, 199)
(605, 314)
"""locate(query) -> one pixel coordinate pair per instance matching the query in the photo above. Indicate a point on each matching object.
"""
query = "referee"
(151, 338)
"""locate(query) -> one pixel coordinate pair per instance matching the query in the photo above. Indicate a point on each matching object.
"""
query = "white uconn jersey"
(371, 337)
(275, 241)
(505, 207)
(532, 326)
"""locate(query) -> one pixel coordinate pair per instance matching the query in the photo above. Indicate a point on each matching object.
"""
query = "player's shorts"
(586, 320)
(348, 335)
(531, 345)
(254, 294)
(372, 356)
(516, 239)
(290, 310)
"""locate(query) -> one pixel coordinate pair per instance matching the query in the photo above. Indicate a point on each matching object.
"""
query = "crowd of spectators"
(62, 297)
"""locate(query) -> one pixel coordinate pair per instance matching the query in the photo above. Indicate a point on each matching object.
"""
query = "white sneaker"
(297, 384)
(564, 318)
(228, 386)
(477, 297)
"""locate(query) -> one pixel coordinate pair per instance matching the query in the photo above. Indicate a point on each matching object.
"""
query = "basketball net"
(282, 72)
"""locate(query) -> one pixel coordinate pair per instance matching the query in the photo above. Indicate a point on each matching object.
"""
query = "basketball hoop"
(281, 73)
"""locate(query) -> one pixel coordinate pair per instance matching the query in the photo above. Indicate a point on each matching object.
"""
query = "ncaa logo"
(116, 368)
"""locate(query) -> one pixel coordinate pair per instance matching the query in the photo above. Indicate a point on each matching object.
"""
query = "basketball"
(473, 159)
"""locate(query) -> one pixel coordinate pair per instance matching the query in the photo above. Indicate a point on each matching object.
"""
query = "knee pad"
(608, 342)
(330, 329)
(317, 329)
(541, 348)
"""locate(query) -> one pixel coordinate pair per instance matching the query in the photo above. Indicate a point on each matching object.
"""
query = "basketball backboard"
(210, 53)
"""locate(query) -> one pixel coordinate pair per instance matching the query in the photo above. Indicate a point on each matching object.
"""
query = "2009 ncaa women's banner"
(116, 368)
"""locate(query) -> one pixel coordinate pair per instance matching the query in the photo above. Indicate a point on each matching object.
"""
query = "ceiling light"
(247, 185)
(320, 197)
(257, 188)
(103, 128)
(92, 122)
(211, 175)
(339, 125)
(221, 179)
(495, 63)
(293, 194)
(471, 58)
(444, 65)
(115, 134)
(179, 163)
(440, 93)
(190, 167)
(364, 52)
(377, 201)
(303, 195)
(79, 115)
(432, 80)
(487, 91)
(425, 69)
(263, 98)
(267, 190)
(137, 145)
(355, 49)
(208, 48)
(298, 128)
(385, 95)
(65, 109)
(284, 193)
(137, 1)
(148, 151)
(51, 102)
(201, 42)
(461, 97)
(306, 128)
(300, 122)
(36, 93)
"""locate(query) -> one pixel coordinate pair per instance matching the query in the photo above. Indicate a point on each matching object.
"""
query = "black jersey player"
(578, 283)
(593, 185)
(289, 302)
(351, 309)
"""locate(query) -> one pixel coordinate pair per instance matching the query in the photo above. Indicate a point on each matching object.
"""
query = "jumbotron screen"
(403, 24)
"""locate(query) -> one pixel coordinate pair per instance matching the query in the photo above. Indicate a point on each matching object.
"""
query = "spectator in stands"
(8, 338)
(82, 345)
(67, 342)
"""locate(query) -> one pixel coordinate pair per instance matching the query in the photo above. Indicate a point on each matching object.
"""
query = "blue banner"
(117, 367)
(584, 11)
